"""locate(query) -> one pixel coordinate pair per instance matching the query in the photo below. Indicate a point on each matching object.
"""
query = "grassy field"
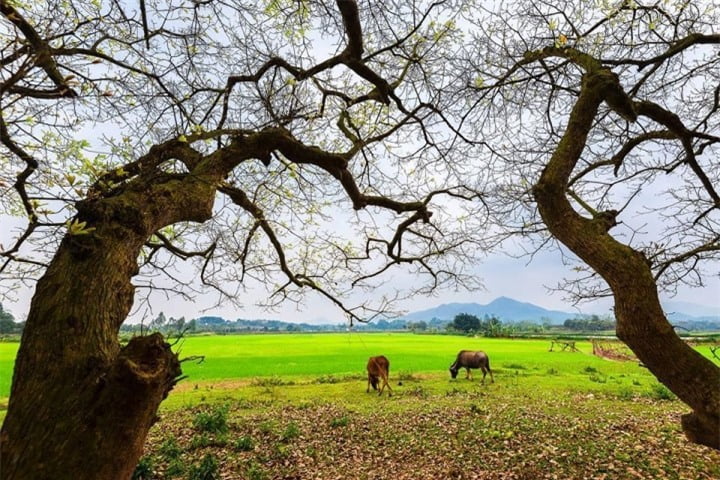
(264, 407)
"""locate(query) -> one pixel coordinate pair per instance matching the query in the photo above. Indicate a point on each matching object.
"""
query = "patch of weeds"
(244, 444)
(274, 381)
(340, 421)
(255, 472)
(267, 427)
(658, 391)
(455, 391)
(281, 452)
(205, 440)
(327, 379)
(291, 431)
(514, 366)
(175, 468)
(552, 371)
(497, 434)
(590, 370)
(597, 378)
(406, 376)
(418, 391)
(206, 470)
(214, 421)
(144, 469)
(625, 393)
(636, 383)
(245, 404)
(477, 410)
(170, 449)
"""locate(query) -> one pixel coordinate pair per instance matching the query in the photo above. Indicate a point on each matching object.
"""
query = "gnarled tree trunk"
(80, 405)
(641, 323)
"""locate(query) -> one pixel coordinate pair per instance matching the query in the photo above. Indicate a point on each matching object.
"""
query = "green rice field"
(294, 406)
(296, 356)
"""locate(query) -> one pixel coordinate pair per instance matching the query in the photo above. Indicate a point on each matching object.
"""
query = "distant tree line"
(8, 325)
(464, 323)
(591, 324)
(490, 325)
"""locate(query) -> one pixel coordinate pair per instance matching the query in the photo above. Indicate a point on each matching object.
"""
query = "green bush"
(274, 381)
(291, 431)
(205, 440)
(327, 379)
(267, 427)
(212, 422)
(207, 470)
(339, 421)
(175, 468)
(170, 449)
(255, 472)
(658, 391)
(625, 393)
(244, 444)
(144, 469)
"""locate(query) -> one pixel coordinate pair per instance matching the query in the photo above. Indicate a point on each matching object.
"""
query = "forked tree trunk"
(641, 323)
(80, 405)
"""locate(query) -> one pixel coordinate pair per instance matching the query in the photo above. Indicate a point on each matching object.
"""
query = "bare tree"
(297, 144)
(604, 117)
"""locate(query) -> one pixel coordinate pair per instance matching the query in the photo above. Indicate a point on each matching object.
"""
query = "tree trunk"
(641, 323)
(80, 405)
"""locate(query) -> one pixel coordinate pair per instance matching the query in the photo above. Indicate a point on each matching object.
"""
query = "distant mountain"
(506, 309)
(687, 309)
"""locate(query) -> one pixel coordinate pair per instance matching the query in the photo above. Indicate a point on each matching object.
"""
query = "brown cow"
(378, 368)
(467, 360)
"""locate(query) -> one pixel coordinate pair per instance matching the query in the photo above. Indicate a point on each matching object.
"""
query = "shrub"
(204, 440)
(170, 449)
(207, 470)
(144, 469)
(339, 421)
(255, 472)
(266, 427)
(199, 441)
(327, 379)
(212, 422)
(418, 392)
(625, 393)
(175, 468)
(291, 431)
(244, 444)
(658, 391)
(274, 381)
(406, 375)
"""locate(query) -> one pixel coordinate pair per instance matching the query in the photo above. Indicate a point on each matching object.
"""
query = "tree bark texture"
(81, 405)
(641, 323)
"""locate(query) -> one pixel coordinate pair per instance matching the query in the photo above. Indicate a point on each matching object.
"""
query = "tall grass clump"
(214, 421)
(206, 470)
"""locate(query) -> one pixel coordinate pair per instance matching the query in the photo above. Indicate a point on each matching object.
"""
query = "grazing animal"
(467, 360)
(378, 369)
